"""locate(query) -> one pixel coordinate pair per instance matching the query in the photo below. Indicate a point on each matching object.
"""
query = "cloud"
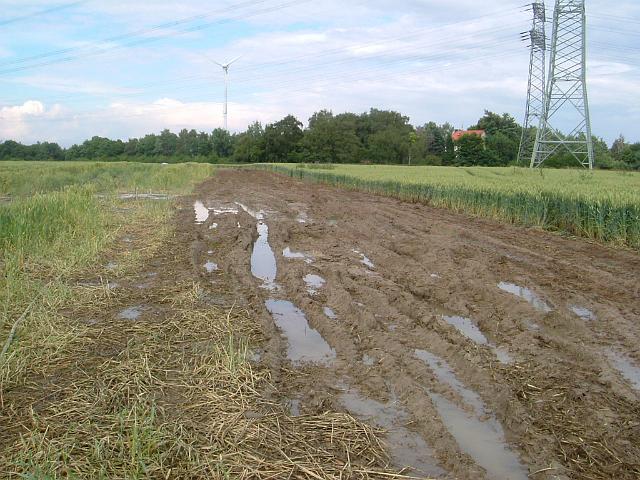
(429, 59)
(14, 119)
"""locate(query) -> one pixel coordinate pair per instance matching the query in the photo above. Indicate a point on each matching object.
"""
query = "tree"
(330, 139)
(503, 137)
(503, 148)
(187, 143)
(435, 139)
(282, 140)
(222, 143)
(166, 144)
(470, 150)
(618, 147)
(250, 145)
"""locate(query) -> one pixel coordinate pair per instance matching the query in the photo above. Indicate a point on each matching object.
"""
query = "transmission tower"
(566, 93)
(537, 39)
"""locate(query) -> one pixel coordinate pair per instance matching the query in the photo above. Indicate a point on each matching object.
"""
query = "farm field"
(239, 323)
(599, 205)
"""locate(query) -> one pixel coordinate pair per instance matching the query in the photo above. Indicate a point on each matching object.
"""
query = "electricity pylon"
(566, 93)
(537, 37)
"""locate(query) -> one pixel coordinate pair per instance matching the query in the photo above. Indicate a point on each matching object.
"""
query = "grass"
(61, 217)
(27, 178)
(602, 206)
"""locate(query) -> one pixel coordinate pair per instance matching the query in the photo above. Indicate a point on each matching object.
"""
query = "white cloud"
(429, 59)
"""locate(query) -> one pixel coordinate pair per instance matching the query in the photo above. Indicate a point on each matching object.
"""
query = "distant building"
(458, 134)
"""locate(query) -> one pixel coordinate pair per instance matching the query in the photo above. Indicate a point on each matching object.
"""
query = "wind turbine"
(225, 67)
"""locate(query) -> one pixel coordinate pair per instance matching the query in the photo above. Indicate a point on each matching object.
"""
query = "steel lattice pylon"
(566, 92)
(536, 90)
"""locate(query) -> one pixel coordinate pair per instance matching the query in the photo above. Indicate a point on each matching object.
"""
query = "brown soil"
(561, 407)
(566, 411)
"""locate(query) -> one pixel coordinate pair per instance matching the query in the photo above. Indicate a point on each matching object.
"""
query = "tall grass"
(603, 206)
(27, 178)
(55, 223)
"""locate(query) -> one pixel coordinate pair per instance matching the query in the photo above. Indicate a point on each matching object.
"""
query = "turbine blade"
(234, 60)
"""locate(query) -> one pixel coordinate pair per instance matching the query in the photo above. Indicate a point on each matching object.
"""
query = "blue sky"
(73, 69)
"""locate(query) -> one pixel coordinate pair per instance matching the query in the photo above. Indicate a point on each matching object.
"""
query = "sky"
(70, 70)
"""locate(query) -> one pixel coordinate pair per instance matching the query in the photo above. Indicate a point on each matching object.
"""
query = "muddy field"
(484, 350)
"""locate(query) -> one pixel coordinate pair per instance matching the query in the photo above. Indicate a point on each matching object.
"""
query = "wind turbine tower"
(225, 68)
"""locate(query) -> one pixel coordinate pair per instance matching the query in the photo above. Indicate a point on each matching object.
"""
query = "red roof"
(458, 134)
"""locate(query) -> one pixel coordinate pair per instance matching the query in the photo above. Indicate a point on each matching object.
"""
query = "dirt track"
(556, 402)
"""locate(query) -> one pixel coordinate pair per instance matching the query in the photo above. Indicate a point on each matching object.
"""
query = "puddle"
(392, 327)
(584, 313)
(435, 275)
(224, 210)
(145, 196)
(201, 212)
(314, 282)
(131, 313)
(263, 260)
(367, 360)
(473, 333)
(258, 215)
(288, 253)
(305, 343)
(467, 328)
(527, 294)
(213, 226)
(445, 374)
(364, 259)
(329, 313)
(210, 267)
(626, 367)
(407, 449)
(483, 440)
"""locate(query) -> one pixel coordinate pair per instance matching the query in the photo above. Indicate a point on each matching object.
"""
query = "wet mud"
(485, 351)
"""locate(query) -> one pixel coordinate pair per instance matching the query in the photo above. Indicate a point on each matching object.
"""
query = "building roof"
(458, 134)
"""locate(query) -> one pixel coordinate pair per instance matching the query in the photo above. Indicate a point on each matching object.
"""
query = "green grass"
(27, 178)
(56, 219)
(600, 205)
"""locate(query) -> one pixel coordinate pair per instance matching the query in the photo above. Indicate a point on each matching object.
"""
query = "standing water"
(480, 435)
(407, 449)
(263, 260)
(201, 212)
(473, 333)
(305, 343)
(527, 294)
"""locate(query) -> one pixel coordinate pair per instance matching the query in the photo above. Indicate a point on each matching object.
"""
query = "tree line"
(374, 137)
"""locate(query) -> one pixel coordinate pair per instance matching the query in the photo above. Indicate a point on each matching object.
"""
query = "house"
(458, 134)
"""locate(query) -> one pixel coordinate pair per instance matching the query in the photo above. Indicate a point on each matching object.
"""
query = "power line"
(103, 50)
(285, 87)
(47, 11)
(442, 40)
